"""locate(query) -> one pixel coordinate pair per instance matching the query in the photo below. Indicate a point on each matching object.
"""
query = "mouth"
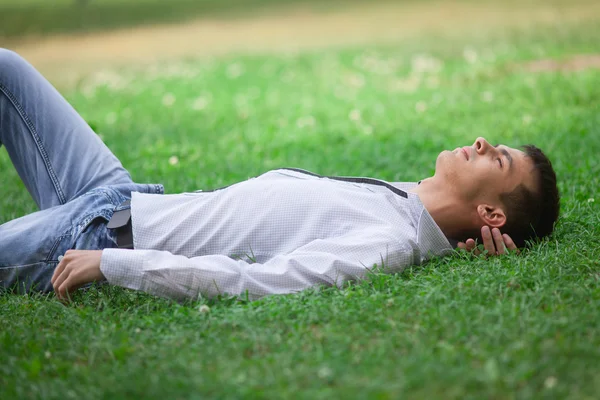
(464, 150)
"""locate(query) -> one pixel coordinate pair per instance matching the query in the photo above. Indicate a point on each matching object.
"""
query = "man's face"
(480, 173)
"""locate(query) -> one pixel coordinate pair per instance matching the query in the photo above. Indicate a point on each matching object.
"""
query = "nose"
(481, 145)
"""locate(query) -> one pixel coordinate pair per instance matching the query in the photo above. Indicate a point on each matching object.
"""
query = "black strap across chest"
(353, 179)
(369, 181)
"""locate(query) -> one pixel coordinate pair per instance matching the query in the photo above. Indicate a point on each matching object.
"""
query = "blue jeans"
(73, 177)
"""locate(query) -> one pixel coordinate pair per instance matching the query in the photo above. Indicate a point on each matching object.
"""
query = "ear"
(491, 216)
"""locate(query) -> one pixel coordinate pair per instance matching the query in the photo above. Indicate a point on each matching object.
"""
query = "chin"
(444, 161)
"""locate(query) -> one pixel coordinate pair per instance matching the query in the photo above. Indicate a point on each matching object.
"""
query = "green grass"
(523, 326)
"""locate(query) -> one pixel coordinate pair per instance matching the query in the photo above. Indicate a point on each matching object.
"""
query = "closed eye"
(507, 155)
(500, 162)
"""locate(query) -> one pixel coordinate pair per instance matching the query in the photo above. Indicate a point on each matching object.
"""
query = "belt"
(121, 223)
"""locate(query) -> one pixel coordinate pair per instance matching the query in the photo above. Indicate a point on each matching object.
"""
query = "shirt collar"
(431, 239)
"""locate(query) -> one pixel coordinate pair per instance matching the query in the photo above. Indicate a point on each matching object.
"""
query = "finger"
(472, 247)
(488, 241)
(71, 284)
(470, 244)
(64, 275)
(510, 245)
(63, 291)
(58, 270)
(60, 290)
(461, 245)
(498, 241)
(68, 285)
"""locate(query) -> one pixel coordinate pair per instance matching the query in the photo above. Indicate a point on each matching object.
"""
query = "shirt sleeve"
(331, 261)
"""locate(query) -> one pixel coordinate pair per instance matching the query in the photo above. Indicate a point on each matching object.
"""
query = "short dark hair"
(532, 214)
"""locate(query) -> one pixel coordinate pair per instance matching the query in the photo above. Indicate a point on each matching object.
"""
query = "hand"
(76, 268)
(494, 243)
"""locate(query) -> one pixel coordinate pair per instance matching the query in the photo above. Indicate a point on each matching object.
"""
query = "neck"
(454, 216)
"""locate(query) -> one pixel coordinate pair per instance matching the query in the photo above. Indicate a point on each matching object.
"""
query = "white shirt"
(281, 232)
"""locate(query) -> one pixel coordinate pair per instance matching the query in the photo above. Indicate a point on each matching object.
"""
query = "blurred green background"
(34, 17)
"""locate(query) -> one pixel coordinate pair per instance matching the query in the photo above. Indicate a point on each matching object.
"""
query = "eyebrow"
(507, 155)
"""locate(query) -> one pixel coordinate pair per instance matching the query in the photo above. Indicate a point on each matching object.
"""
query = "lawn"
(525, 326)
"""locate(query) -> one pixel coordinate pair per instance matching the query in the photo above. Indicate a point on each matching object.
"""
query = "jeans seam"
(110, 195)
(25, 118)
(87, 219)
(55, 246)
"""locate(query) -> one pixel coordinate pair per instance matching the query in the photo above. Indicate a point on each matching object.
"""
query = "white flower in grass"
(109, 79)
(425, 63)
(325, 372)
(240, 379)
(550, 382)
(88, 91)
(590, 200)
(375, 64)
(204, 309)
(343, 93)
(408, 85)
(244, 113)
(487, 96)
(173, 160)
(383, 67)
(530, 81)
(200, 103)
(354, 115)
(470, 55)
(47, 354)
(421, 107)
(355, 80)
(234, 70)
(168, 99)
(307, 121)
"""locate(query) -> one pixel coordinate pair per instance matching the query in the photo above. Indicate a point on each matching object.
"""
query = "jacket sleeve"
(329, 261)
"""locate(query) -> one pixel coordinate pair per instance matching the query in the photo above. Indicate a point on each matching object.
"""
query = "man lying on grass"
(281, 232)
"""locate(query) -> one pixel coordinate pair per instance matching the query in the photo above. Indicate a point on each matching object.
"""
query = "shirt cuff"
(123, 267)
